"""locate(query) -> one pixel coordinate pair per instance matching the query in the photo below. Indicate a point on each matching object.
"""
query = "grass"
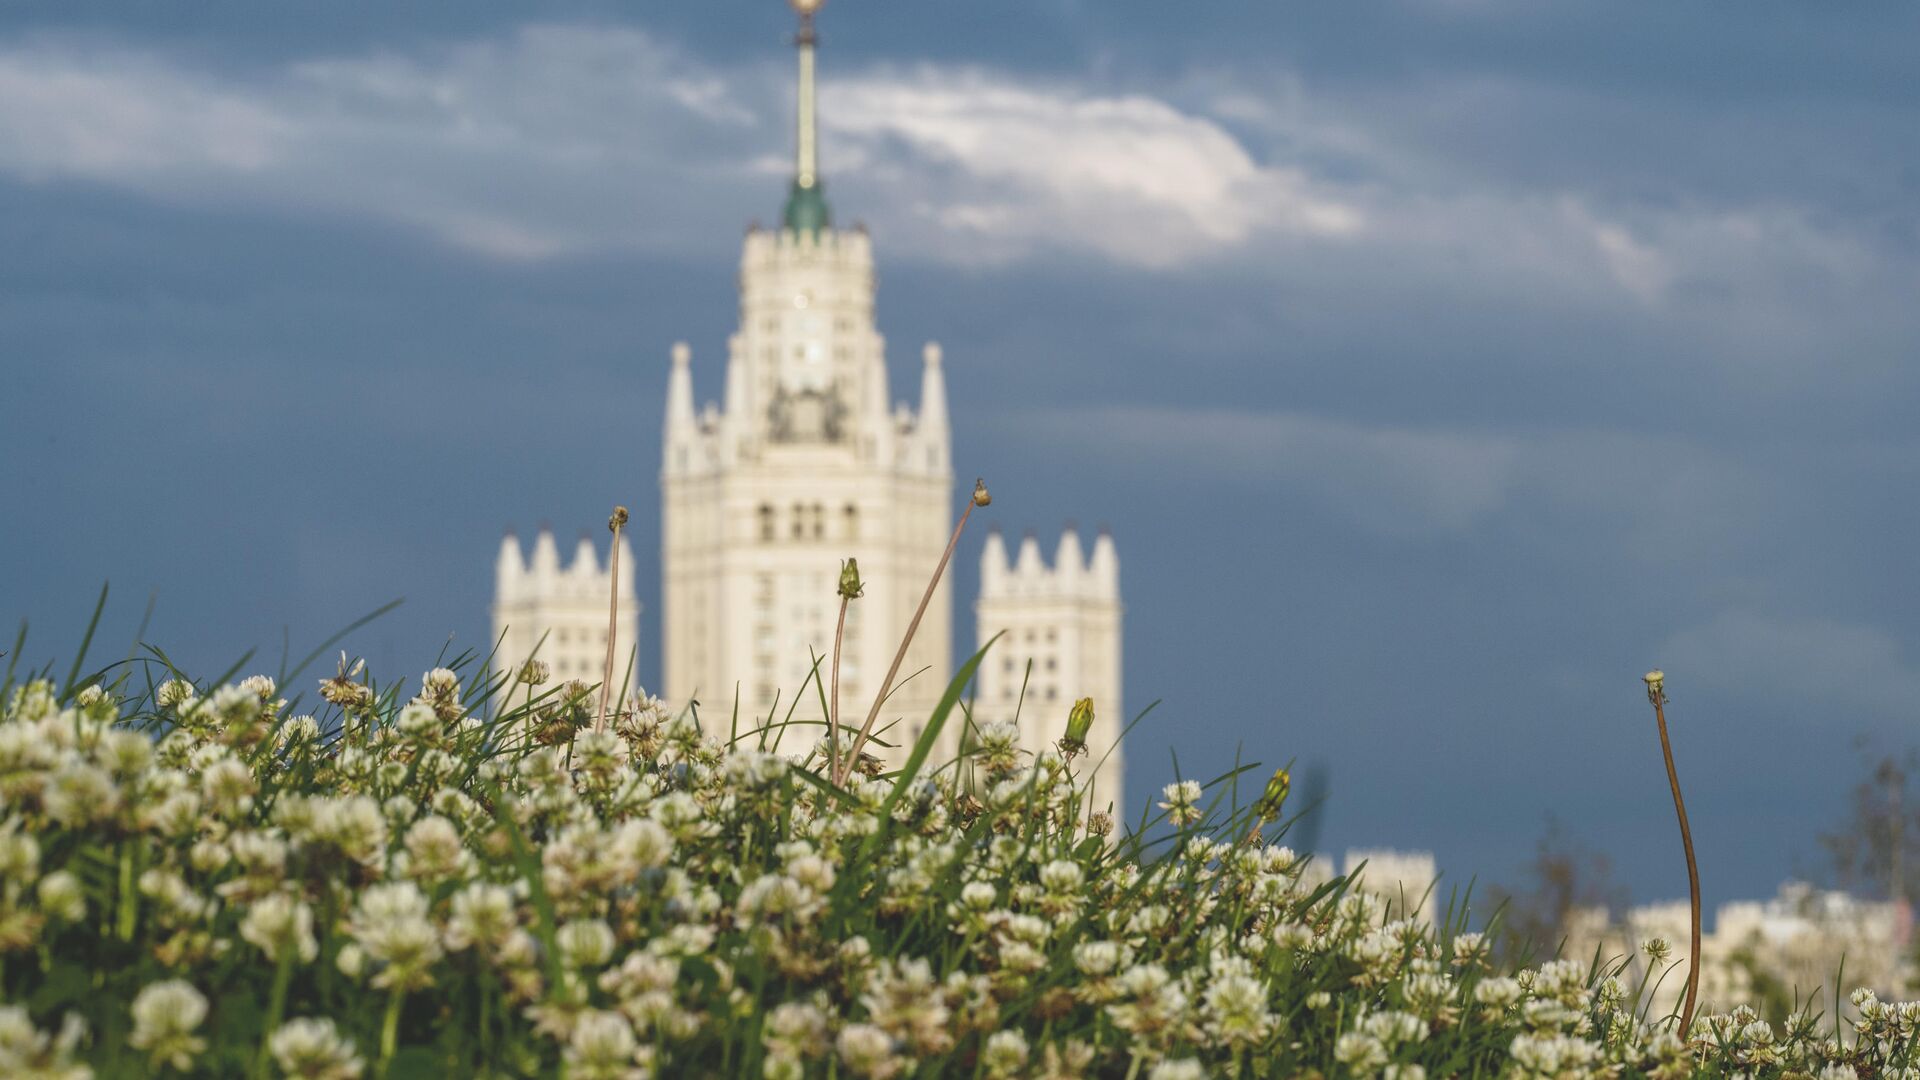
(463, 877)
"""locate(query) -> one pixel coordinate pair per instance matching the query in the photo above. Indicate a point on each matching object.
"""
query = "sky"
(1439, 365)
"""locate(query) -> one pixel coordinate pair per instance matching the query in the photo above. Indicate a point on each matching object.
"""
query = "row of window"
(805, 521)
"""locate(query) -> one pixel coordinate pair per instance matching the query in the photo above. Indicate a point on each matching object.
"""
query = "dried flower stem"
(618, 519)
(1656, 693)
(979, 498)
(833, 707)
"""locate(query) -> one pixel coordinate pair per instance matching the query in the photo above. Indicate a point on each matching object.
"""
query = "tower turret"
(507, 567)
(1059, 641)
(546, 557)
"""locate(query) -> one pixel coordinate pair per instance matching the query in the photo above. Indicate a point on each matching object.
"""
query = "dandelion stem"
(979, 498)
(618, 519)
(833, 700)
(1656, 693)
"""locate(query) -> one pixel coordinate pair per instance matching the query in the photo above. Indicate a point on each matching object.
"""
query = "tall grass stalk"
(1657, 694)
(980, 497)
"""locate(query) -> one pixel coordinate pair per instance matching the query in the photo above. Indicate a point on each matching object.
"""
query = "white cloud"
(1022, 166)
(560, 139)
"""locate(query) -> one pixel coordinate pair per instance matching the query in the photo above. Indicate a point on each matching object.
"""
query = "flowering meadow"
(483, 874)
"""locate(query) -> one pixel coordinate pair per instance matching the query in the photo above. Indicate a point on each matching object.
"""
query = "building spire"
(806, 210)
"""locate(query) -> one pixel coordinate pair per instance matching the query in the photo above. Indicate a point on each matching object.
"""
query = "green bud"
(1275, 797)
(1079, 722)
(850, 586)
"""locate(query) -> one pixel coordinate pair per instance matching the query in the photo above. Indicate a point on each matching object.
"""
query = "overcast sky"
(1439, 366)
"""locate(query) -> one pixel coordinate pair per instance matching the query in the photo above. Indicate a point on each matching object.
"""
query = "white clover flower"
(433, 850)
(1096, 959)
(1236, 1010)
(28, 1052)
(603, 1047)
(1360, 1052)
(80, 794)
(1005, 1053)
(866, 1050)
(1551, 1055)
(165, 1015)
(314, 1050)
(228, 787)
(390, 924)
(585, 942)
(1180, 802)
(62, 897)
(299, 731)
(1393, 1027)
(173, 694)
(277, 923)
(1061, 876)
(1177, 1069)
(417, 720)
(1404, 1072)
(483, 914)
(439, 683)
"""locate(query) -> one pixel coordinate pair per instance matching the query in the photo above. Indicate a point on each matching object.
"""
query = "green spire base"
(806, 210)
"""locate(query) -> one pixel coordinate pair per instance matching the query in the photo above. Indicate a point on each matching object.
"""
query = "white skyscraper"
(562, 611)
(808, 461)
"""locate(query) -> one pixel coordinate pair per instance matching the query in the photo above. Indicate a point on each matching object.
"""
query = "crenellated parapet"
(1056, 631)
(1072, 576)
(557, 612)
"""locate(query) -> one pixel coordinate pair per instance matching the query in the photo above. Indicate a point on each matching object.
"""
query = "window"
(799, 524)
(766, 521)
(819, 521)
(852, 515)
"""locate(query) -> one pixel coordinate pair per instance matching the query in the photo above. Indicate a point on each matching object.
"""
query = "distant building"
(1793, 944)
(807, 460)
(1059, 640)
(1405, 880)
(559, 613)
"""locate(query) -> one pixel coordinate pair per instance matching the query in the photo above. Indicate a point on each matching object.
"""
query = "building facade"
(558, 614)
(806, 459)
(1056, 638)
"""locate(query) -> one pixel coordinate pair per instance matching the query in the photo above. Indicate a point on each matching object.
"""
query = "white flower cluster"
(479, 880)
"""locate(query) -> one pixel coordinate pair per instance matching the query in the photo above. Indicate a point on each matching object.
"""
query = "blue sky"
(1440, 366)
